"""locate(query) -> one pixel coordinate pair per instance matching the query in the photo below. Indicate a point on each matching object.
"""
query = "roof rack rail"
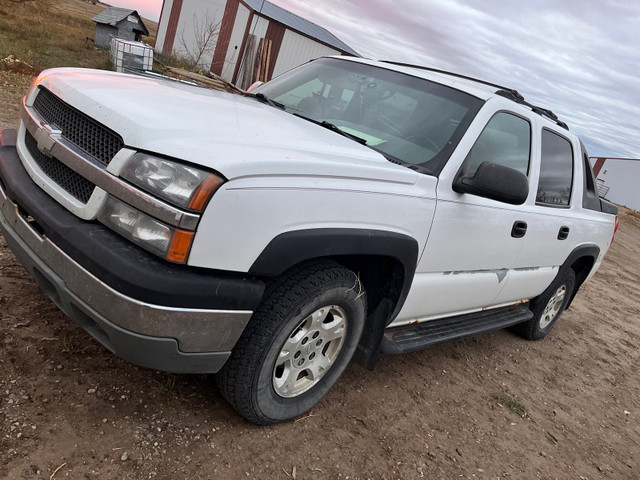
(458, 75)
(510, 93)
(544, 112)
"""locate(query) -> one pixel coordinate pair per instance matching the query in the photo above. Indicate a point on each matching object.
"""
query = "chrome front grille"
(72, 182)
(79, 129)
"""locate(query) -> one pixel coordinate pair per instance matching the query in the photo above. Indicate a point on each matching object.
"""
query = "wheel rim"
(553, 307)
(310, 351)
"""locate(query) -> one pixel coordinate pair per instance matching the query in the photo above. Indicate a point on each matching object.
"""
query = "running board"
(417, 336)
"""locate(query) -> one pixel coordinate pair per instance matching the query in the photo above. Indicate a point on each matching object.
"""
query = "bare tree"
(205, 35)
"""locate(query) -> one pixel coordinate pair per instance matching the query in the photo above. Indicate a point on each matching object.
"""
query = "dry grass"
(87, 9)
(12, 89)
(47, 34)
(80, 8)
(52, 34)
(46, 37)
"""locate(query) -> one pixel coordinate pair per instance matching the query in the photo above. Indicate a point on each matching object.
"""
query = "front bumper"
(110, 288)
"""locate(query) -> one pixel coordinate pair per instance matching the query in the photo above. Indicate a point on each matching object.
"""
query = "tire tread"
(282, 296)
(530, 330)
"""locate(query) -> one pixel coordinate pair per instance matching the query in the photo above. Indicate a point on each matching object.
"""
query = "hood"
(234, 135)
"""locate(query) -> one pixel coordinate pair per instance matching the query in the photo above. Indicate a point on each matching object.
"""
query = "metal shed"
(255, 39)
(118, 22)
(617, 180)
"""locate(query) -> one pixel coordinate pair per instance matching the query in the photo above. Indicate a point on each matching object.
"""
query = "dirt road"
(69, 407)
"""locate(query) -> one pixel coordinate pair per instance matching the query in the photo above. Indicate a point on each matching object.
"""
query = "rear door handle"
(519, 229)
(563, 233)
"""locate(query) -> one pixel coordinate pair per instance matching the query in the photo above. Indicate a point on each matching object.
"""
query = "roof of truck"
(474, 86)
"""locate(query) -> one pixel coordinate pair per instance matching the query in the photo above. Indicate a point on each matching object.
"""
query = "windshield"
(410, 120)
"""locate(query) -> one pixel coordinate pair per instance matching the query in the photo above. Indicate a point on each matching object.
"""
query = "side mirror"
(253, 86)
(496, 182)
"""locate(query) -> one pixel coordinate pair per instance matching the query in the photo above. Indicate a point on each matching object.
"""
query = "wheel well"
(383, 279)
(582, 266)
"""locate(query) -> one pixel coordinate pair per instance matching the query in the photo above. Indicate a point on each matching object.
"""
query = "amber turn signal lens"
(180, 244)
(204, 191)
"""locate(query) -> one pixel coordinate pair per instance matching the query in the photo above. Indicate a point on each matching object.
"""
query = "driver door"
(473, 244)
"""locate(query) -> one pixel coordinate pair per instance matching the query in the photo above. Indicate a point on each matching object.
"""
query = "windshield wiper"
(264, 99)
(334, 128)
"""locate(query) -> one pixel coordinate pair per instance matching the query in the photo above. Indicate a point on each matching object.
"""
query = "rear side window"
(506, 140)
(556, 170)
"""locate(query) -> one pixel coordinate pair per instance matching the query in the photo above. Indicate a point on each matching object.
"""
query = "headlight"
(151, 234)
(181, 185)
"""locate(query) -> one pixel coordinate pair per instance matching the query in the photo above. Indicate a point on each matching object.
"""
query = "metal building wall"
(192, 13)
(162, 24)
(258, 28)
(297, 49)
(235, 43)
(179, 17)
(622, 177)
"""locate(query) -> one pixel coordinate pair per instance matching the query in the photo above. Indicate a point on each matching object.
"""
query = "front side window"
(556, 170)
(410, 120)
(506, 140)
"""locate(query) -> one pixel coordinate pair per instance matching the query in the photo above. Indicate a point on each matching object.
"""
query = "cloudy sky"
(580, 58)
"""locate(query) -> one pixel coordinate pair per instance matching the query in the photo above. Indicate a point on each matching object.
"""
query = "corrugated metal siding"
(235, 42)
(193, 12)
(275, 35)
(172, 26)
(162, 26)
(621, 176)
(300, 24)
(297, 49)
(258, 28)
(224, 36)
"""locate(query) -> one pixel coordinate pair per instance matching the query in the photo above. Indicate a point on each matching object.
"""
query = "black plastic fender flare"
(294, 247)
(587, 250)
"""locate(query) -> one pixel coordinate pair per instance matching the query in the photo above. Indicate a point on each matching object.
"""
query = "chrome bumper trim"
(196, 330)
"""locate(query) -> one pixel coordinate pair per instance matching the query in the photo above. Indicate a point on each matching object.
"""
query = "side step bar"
(418, 336)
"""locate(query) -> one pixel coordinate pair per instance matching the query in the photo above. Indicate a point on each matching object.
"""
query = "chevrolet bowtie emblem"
(46, 136)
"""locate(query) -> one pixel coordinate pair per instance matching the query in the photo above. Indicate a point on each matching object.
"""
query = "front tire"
(548, 307)
(296, 345)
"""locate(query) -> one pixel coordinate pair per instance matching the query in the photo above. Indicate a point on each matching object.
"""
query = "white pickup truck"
(345, 209)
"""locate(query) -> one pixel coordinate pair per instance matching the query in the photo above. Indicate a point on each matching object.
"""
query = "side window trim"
(573, 167)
